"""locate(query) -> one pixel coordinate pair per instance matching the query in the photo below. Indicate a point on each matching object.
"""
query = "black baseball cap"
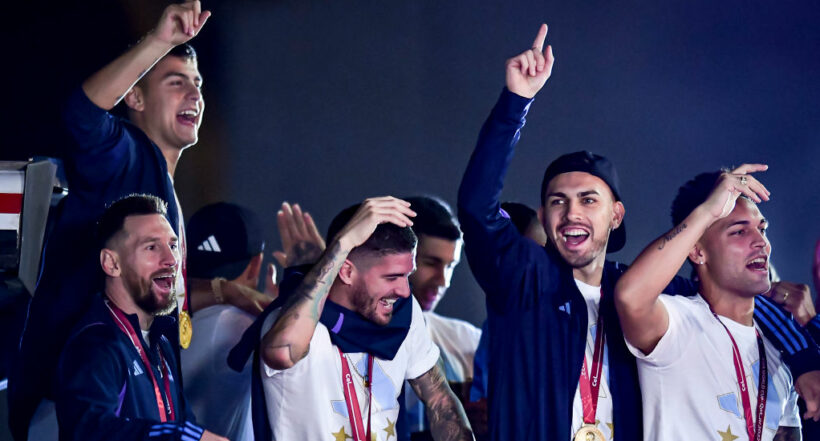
(221, 240)
(596, 165)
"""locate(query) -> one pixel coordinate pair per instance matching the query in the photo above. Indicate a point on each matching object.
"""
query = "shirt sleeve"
(101, 148)
(799, 349)
(504, 263)
(682, 326)
(422, 351)
(91, 377)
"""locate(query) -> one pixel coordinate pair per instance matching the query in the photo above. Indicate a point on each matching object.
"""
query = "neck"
(171, 158)
(730, 305)
(339, 297)
(592, 273)
(119, 296)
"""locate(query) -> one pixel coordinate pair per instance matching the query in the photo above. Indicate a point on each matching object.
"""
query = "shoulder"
(451, 325)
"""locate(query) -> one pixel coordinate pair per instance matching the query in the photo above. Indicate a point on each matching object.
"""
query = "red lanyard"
(183, 254)
(352, 401)
(166, 411)
(589, 386)
(754, 429)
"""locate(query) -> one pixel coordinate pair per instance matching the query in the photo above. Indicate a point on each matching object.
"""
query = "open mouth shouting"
(188, 117)
(573, 236)
(386, 304)
(164, 283)
(759, 264)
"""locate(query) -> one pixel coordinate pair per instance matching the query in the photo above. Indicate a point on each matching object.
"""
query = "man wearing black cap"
(559, 367)
(226, 244)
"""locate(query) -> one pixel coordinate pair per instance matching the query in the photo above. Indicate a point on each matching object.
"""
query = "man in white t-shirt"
(335, 355)
(705, 370)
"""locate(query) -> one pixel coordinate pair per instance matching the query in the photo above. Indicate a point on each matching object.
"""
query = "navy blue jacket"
(109, 159)
(103, 389)
(537, 318)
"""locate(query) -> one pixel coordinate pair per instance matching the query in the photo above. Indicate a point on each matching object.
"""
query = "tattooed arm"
(444, 412)
(643, 316)
(785, 433)
(288, 340)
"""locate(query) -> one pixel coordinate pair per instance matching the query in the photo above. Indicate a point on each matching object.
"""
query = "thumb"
(271, 288)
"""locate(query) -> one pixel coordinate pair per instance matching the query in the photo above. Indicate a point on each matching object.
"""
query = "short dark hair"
(434, 218)
(183, 50)
(693, 193)
(521, 215)
(387, 239)
(113, 219)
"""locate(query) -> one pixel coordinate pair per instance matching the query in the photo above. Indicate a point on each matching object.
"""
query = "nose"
(759, 240)
(194, 93)
(170, 257)
(403, 290)
(440, 277)
(573, 210)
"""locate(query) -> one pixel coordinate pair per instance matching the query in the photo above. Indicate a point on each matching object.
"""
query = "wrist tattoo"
(671, 235)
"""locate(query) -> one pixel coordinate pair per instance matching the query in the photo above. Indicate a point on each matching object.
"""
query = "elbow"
(625, 302)
(278, 358)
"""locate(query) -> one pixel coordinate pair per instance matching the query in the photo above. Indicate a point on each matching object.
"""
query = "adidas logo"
(209, 244)
(137, 369)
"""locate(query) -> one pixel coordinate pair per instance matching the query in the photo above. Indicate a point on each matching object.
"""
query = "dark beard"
(145, 299)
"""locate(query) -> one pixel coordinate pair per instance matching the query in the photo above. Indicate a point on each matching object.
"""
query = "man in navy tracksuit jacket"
(109, 159)
(118, 374)
(537, 317)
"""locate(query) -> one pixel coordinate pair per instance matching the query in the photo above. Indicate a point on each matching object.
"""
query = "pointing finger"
(538, 43)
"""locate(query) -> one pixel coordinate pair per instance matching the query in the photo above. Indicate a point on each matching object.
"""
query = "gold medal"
(588, 432)
(186, 330)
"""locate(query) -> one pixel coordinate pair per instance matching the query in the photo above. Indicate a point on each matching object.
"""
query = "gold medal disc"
(588, 432)
(186, 330)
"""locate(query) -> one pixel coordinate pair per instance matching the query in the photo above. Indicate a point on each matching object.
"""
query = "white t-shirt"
(307, 402)
(219, 396)
(603, 413)
(457, 341)
(689, 385)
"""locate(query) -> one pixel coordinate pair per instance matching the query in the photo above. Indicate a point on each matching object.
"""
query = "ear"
(250, 276)
(134, 99)
(696, 255)
(347, 273)
(110, 262)
(618, 212)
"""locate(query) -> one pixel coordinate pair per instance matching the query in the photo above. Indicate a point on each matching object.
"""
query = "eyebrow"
(155, 239)
(181, 75)
(580, 193)
(763, 221)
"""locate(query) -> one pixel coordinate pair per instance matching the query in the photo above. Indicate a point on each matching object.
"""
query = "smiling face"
(377, 286)
(735, 251)
(167, 103)
(578, 213)
(435, 262)
(148, 257)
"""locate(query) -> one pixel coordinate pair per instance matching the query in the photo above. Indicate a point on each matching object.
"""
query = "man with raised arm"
(117, 377)
(110, 157)
(559, 367)
(350, 334)
(705, 370)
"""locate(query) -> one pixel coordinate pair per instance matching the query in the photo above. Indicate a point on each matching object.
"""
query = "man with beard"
(743, 388)
(350, 334)
(559, 366)
(117, 374)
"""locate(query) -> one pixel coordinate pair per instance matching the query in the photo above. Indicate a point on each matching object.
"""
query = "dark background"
(327, 102)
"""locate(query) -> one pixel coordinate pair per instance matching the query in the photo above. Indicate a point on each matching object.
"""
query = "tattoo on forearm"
(446, 415)
(671, 235)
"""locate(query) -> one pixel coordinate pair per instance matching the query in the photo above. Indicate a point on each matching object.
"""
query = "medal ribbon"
(589, 386)
(352, 401)
(753, 428)
(183, 255)
(166, 410)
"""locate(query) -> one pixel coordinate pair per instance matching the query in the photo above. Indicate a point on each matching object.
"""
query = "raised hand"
(528, 71)
(180, 22)
(730, 185)
(301, 241)
(370, 214)
(795, 298)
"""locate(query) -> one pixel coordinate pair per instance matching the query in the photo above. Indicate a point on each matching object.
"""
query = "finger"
(203, 17)
(538, 43)
(299, 221)
(281, 258)
(532, 63)
(282, 223)
(550, 60)
(197, 8)
(745, 190)
(523, 64)
(313, 232)
(749, 168)
(757, 185)
(540, 62)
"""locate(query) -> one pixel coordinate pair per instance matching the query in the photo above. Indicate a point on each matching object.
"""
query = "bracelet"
(216, 288)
